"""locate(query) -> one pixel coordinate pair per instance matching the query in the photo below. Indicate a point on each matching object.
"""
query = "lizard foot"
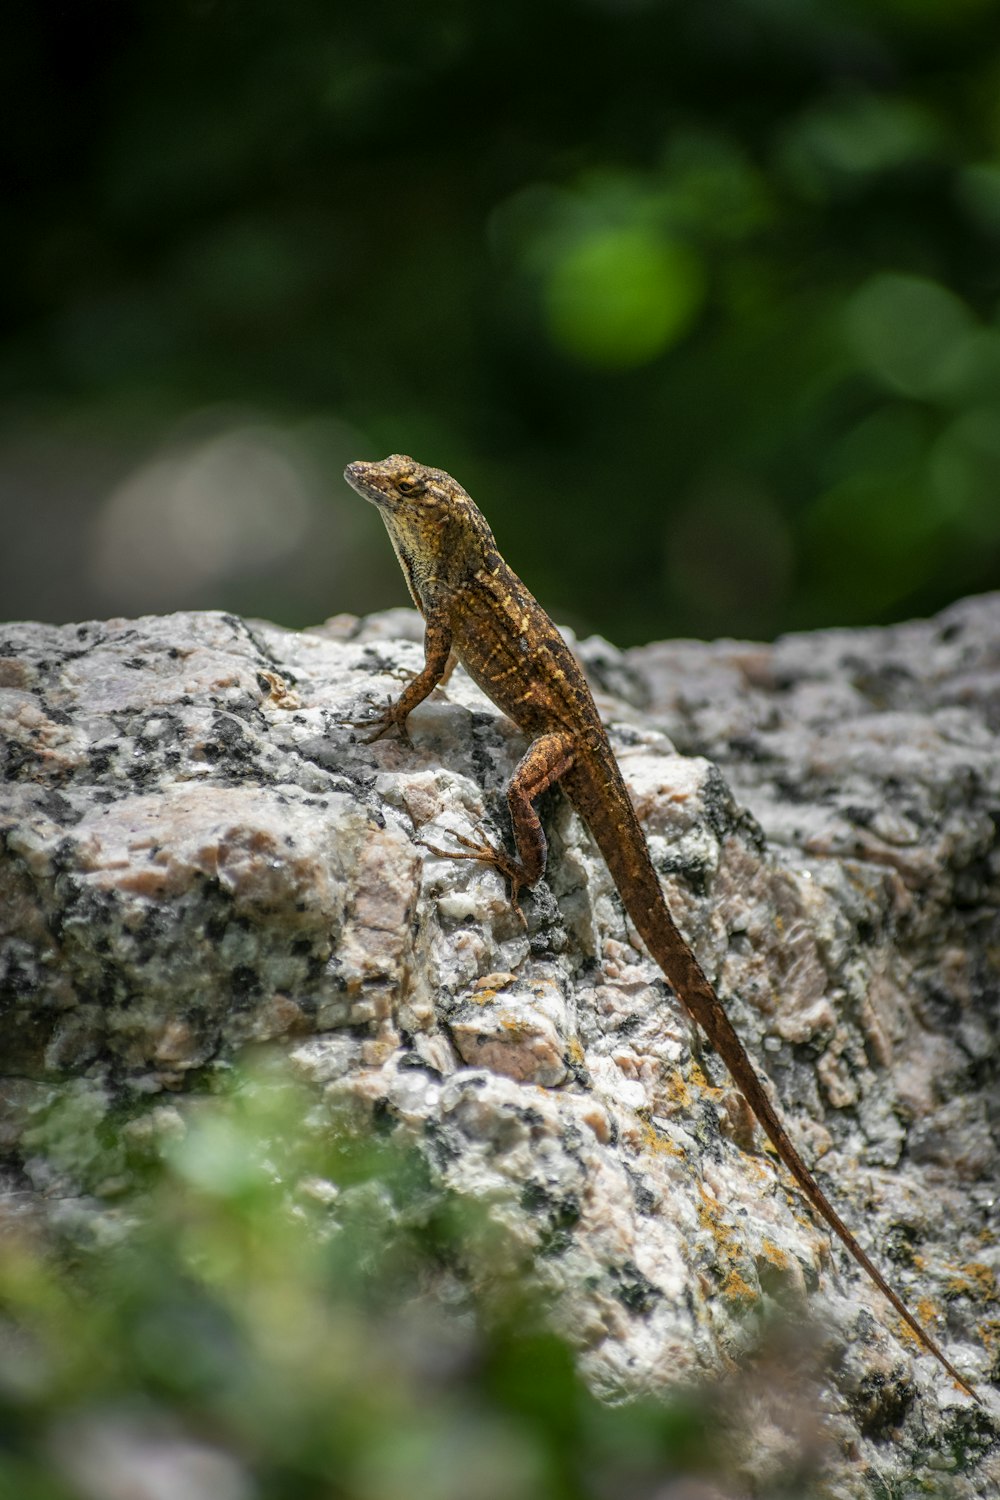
(482, 849)
(380, 720)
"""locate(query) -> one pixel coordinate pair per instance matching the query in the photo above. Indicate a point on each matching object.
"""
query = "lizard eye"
(409, 486)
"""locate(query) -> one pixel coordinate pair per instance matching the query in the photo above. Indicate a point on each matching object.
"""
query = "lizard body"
(477, 610)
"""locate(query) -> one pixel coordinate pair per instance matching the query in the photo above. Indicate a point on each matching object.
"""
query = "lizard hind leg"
(546, 759)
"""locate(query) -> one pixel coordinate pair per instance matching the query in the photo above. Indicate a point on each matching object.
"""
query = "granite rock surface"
(199, 854)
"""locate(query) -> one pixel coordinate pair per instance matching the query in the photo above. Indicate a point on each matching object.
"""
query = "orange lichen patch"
(735, 1287)
(974, 1280)
(709, 1210)
(489, 986)
(659, 1145)
(701, 1082)
(516, 1027)
(574, 1052)
(989, 1332)
(755, 1168)
(986, 1236)
(676, 1090)
(681, 1091)
(775, 1255)
(927, 1314)
(730, 1252)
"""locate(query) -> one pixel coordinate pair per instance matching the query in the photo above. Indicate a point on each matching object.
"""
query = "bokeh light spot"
(870, 540)
(904, 328)
(619, 297)
(199, 511)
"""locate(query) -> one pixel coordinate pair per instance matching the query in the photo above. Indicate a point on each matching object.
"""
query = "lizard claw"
(379, 721)
(482, 849)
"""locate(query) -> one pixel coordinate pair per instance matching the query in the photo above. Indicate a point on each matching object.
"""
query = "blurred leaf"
(840, 143)
(965, 473)
(891, 441)
(289, 1309)
(978, 190)
(871, 540)
(714, 189)
(904, 328)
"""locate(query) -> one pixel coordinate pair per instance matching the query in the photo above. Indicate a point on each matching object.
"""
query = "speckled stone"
(197, 852)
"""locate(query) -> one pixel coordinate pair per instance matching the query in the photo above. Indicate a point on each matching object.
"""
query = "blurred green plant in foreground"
(281, 1312)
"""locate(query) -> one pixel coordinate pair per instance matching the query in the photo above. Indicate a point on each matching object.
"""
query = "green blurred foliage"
(288, 1309)
(707, 316)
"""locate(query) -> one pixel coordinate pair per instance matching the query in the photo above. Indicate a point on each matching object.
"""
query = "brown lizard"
(477, 610)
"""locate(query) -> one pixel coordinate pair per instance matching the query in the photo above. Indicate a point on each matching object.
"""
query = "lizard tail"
(698, 997)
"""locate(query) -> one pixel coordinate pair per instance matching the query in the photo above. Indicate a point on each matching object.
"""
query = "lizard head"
(398, 484)
(433, 524)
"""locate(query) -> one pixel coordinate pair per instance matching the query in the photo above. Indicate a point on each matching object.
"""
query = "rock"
(197, 853)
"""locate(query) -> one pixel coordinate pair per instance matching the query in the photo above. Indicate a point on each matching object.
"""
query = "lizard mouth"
(358, 476)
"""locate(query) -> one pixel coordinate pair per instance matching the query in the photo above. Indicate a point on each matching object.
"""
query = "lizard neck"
(440, 552)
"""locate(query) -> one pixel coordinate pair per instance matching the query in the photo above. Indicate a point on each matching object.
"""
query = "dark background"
(698, 301)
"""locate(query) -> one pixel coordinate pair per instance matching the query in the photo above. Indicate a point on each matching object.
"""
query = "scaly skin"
(476, 609)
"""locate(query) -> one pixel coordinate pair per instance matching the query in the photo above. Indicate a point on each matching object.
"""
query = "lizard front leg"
(545, 761)
(438, 662)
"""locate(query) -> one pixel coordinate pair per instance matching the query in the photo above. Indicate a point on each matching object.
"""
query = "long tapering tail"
(698, 997)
